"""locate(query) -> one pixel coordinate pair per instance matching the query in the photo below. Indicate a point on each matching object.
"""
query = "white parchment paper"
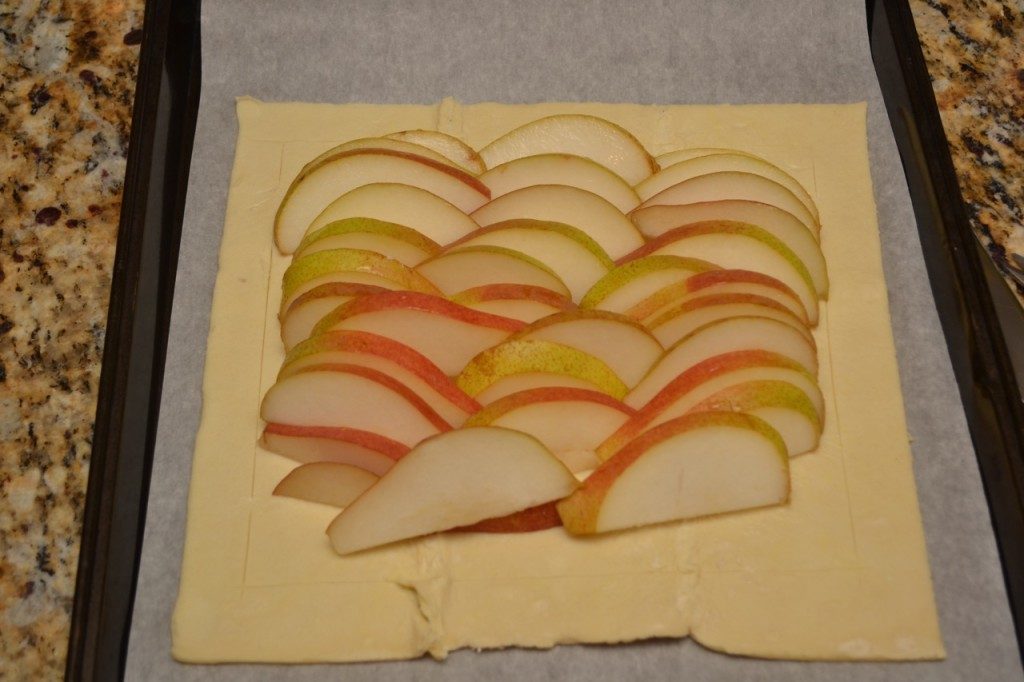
(647, 52)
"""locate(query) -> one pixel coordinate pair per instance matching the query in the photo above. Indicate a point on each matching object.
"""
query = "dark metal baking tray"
(960, 273)
(160, 149)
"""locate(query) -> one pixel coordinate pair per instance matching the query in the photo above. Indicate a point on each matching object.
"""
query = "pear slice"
(451, 148)
(678, 394)
(371, 452)
(521, 356)
(716, 282)
(664, 384)
(385, 143)
(398, 242)
(466, 267)
(351, 397)
(620, 342)
(398, 361)
(577, 134)
(427, 213)
(330, 483)
(571, 422)
(682, 319)
(697, 465)
(739, 245)
(325, 179)
(724, 161)
(302, 314)
(655, 221)
(787, 408)
(740, 333)
(348, 265)
(633, 281)
(446, 333)
(671, 158)
(516, 301)
(595, 216)
(456, 479)
(734, 185)
(568, 252)
(561, 169)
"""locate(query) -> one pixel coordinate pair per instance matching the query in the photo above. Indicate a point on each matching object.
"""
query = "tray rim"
(138, 315)
(956, 264)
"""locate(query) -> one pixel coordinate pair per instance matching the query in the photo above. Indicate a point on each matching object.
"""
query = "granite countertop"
(67, 85)
(975, 55)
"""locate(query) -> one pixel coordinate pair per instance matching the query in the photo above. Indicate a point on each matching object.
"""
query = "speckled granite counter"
(975, 55)
(67, 82)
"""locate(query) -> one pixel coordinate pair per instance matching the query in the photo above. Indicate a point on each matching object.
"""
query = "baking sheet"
(682, 52)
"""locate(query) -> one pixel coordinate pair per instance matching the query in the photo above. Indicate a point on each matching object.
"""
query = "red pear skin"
(384, 347)
(545, 394)
(723, 299)
(381, 378)
(700, 282)
(541, 517)
(505, 292)
(686, 382)
(457, 173)
(416, 301)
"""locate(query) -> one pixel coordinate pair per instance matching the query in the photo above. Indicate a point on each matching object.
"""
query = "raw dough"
(840, 573)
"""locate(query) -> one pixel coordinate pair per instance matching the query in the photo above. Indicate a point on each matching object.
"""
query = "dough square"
(841, 573)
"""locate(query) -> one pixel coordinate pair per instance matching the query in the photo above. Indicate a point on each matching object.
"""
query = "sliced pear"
(571, 422)
(697, 465)
(389, 144)
(720, 162)
(595, 216)
(674, 157)
(621, 343)
(664, 394)
(448, 334)
(778, 393)
(530, 381)
(520, 356)
(330, 483)
(348, 265)
(302, 314)
(577, 134)
(427, 213)
(740, 333)
(572, 255)
(453, 480)
(682, 319)
(655, 221)
(734, 185)
(516, 301)
(716, 282)
(401, 243)
(448, 146)
(371, 452)
(352, 397)
(466, 267)
(386, 355)
(633, 281)
(788, 409)
(740, 245)
(560, 169)
(325, 179)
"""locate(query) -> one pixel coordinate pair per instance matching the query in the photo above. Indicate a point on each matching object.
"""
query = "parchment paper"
(694, 51)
